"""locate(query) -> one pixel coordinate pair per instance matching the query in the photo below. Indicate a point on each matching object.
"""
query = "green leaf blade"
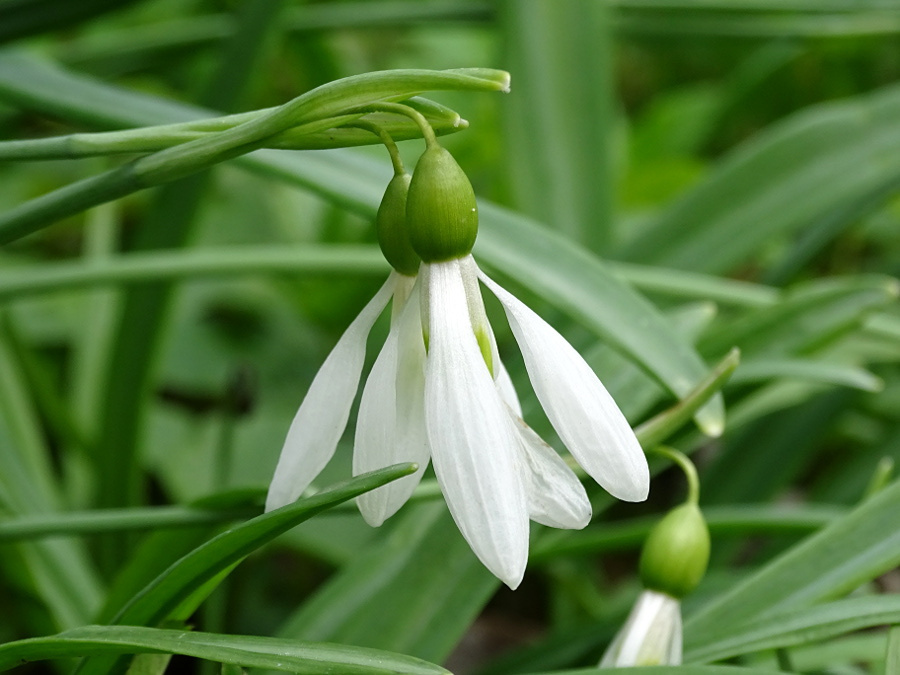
(247, 651)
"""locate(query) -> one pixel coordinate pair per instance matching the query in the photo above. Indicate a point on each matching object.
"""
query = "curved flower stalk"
(651, 635)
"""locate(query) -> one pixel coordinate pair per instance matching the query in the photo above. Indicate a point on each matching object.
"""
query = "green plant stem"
(683, 285)
(387, 141)
(330, 132)
(99, 521)
(140, 268)
(415, 115)
(723, 521)
(658, 428)
(687, 467)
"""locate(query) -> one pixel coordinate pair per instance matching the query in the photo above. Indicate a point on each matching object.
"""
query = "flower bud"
(441, 213)
(676, 553)
(390, 224)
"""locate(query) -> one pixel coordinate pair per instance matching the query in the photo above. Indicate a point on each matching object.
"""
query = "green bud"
(676, 553)
(390, 223)
(440, 210)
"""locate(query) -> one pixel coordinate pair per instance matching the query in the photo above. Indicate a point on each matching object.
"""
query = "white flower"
(651, 635)
(494, 471)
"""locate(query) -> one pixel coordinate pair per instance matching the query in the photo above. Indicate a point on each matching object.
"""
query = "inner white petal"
(577, 404)
(322, 417)
(638, 644)
(650, 636)
(556, 497)
(473, 444)
(391, 424)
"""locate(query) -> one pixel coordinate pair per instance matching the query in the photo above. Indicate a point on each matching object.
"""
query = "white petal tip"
(512, 582)
(508, 569)
(638, 496)
(583, 520)
(632, 491)
(373, 522)
(373, 515)
(275, 502)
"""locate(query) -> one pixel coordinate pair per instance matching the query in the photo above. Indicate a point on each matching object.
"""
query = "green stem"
(415, 115)
(35, 526)
(657, 429)
(136, 268)
(388, 142)
(687, 466)
(723, 521)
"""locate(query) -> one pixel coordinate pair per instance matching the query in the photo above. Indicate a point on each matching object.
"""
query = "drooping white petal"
(651, 636)
(473, 443)
(322, 417)
(578, 406)
(556, 497)
(391, 424)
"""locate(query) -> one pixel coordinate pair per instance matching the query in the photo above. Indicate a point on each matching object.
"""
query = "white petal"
(556, 497)
(651, 635)
(581, 410)
(473, 444)
(322, 417)
(676, 637)
(391, 424)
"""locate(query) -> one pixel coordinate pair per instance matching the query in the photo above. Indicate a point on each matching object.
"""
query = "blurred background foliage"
(737, 161)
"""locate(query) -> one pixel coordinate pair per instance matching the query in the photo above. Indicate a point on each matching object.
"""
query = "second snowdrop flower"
(673, 562)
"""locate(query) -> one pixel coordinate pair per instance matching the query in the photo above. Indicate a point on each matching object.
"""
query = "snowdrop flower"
(651, 635)
(673, 562)
(438, 391)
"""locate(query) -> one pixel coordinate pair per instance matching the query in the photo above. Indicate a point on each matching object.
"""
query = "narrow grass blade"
(830, 563)
(219, 555)
(560, 115)
(801, 626)
(242, 650)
